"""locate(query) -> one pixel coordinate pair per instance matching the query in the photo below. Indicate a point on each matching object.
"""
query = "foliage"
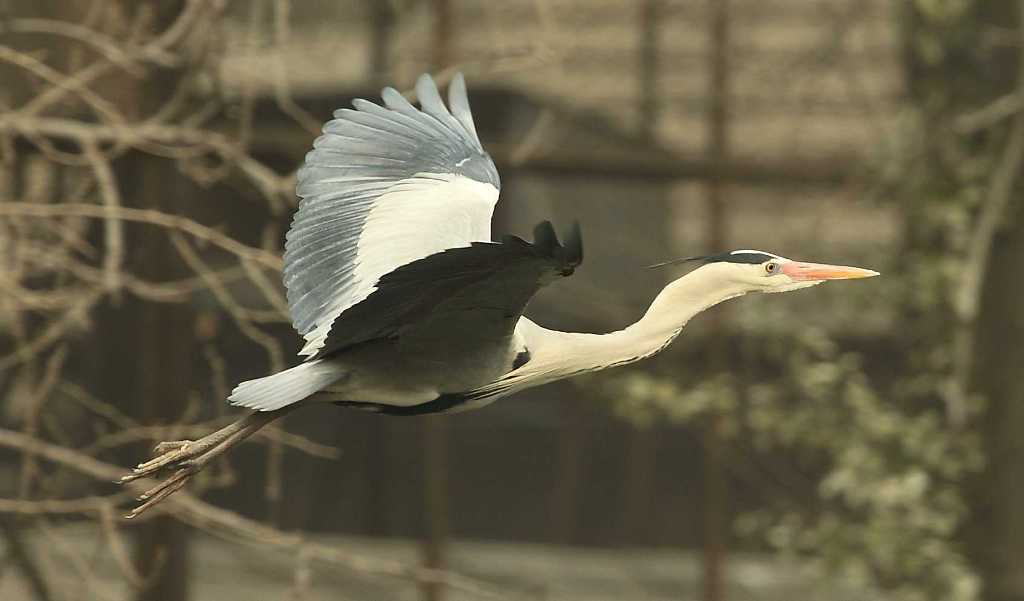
(893, 452)
(888, 495)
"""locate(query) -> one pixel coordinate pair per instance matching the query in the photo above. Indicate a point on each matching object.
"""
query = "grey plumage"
(405, 305)
(465, 296)
(285, 387)
(363, 153)
(389, 246)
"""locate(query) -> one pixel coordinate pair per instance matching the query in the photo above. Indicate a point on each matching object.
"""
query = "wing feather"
(383, 186)
(458, 101)
(460, 297)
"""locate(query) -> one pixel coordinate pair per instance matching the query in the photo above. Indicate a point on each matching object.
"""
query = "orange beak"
(803, 272)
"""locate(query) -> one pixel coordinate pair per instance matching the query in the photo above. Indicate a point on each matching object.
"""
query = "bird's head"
(759, 271)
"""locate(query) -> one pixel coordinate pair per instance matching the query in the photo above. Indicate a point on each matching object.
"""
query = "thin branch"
(238, 313)
(112, 226)
(232, 526)
(154, 50)
(33, 406)
(21, 554)
(272, 186)
(54, 331)
(87, 576)
(153, 217)
(79, 395)
(282, 89)
(83, 505)
(967, 295)
(58, 80)
(101, 43)
(990, 115)
(138, 433)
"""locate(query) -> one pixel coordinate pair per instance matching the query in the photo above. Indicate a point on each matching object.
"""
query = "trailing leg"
(187, 457)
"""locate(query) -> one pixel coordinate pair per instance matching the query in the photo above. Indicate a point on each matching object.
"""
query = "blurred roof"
(809, 79)
(556, 90)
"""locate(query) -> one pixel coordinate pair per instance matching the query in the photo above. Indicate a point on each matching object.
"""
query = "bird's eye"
(771, 268)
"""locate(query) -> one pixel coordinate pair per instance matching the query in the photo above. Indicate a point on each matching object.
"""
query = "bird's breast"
(387, 374)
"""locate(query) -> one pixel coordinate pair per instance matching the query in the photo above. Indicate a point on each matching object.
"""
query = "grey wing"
(382, 187)
(461, 296)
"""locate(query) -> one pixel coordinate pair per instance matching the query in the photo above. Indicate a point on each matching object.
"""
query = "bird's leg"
(188, 457)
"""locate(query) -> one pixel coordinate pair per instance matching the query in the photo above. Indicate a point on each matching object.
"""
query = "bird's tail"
(286, 387)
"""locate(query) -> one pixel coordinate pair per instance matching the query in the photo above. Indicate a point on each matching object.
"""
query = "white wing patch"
(383, 186)
(458, 210)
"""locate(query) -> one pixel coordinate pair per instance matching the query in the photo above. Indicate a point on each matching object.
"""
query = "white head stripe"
(754, 252)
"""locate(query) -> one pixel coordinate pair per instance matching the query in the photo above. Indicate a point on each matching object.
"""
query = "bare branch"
(274, 187)
(174, 222)
(233, 526)
(113, 230)
(40, 69)
(127, 59)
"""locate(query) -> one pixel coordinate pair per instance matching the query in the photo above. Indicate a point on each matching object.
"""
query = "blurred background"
(855, 441)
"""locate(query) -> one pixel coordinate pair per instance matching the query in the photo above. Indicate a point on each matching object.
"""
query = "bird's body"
(405, 304)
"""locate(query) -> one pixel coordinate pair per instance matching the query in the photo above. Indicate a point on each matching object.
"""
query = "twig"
(21, 554)
(271, 185)
(282, 89)
(154, 50)
(989, 115)
(176, 222)
(136, 433)
(108, 523)
(57, 544)
(83, 505)
(79, 395)
(112, 225)
(239, 314)
(40, 69)
(32, 409)
(101, 43)
(233, 526)
(53, 332)
(967, 295)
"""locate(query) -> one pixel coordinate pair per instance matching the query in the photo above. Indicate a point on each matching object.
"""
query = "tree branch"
(229, 525)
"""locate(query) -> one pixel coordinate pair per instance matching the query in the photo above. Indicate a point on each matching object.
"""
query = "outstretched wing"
(461, 296)
(382, 187)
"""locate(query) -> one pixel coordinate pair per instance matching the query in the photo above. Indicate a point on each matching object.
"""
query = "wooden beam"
(597, 164)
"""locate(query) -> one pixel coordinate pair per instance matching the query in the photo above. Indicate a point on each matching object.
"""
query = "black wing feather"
(471, 293)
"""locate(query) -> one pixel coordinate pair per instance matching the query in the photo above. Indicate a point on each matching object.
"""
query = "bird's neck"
(681, 300)
(664, 319)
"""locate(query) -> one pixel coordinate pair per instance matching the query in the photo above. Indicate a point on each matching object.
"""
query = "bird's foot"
(170, 454)
(188, 457)
(171, 445)
(185, 457)
(186, 469)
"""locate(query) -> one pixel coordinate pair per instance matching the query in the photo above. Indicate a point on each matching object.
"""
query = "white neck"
(668, 313)
(684, 298)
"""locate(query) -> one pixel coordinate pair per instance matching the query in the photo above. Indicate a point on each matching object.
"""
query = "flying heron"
(404, 305)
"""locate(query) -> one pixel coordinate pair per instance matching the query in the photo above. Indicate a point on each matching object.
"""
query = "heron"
(405, 305)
